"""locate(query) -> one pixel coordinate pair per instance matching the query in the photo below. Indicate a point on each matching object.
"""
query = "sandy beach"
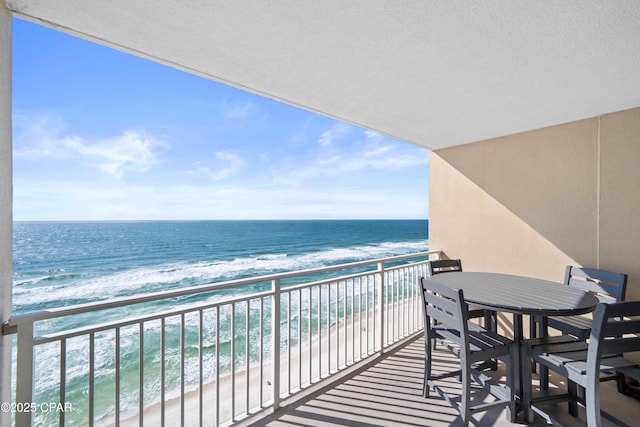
(309, 364)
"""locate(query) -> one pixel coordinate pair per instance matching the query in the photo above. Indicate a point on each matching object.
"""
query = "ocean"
(57, 264)
(63, 263)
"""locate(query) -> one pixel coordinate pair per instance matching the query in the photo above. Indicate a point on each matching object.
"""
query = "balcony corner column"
(6, 208)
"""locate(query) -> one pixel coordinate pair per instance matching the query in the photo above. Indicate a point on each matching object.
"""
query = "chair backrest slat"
(614, 330)
(441, 309)
(443, 266)
(622, 310)
(616, 327)
(445, 305)
(607, 286)
(620, 345)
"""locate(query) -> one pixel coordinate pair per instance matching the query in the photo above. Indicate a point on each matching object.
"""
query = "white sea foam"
(168, 276)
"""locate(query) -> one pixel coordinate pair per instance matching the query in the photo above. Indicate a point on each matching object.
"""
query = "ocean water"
(62, 263)
(58, 264)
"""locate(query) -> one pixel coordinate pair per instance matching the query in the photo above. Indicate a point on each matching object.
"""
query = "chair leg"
(425, 383)
(592, 404)
(572, 388)
(465, 398)
(532, 334)
(542, 331)
(490, 321)
(427, 364)
(434, 339)
(491, 324)
(621, 382)
(544, 378)
(527, 387)
(512, 413)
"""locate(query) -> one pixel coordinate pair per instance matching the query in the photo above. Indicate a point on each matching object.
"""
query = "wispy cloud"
(335, 132)
(225, 165)
(368, 152)
(132, 151)
(371, 135)
(238, 111)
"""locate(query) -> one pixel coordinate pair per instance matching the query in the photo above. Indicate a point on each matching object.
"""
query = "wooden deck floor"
(388, 393)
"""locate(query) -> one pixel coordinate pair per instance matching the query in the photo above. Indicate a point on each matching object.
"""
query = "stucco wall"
(534, 202)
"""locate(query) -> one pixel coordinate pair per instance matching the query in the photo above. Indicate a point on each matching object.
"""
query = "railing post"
(381, 304)
(24, 375)
(275, 342)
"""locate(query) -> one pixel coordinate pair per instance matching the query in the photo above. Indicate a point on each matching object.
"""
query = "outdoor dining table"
(519, 295)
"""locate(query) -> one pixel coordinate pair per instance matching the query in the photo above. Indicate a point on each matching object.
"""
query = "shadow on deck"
(387, 392)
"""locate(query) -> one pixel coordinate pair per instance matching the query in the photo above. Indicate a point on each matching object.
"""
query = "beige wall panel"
(533, 202)
(523, 204)
(471, 225)
(620, 196)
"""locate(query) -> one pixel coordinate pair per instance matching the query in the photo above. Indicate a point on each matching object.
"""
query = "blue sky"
(102, 135)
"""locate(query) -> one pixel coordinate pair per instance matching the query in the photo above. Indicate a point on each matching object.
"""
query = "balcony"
(341, 345)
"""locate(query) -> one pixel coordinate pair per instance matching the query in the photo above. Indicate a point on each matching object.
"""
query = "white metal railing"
(203, 356)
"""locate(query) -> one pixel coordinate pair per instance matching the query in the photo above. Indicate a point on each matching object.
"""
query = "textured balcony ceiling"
(434, 73)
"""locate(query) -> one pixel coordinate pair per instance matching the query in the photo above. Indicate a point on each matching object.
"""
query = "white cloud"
(373, 135)
(335, 132)
(132, 151)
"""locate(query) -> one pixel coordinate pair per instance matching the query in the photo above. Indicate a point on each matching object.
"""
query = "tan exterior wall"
(535, 202)
(619, 248)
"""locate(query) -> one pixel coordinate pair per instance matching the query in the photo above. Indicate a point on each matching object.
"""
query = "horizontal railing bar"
(170, 313)
(151, 297)
(330, 281)
(356, 275)
(405, 266)
(144, 318)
